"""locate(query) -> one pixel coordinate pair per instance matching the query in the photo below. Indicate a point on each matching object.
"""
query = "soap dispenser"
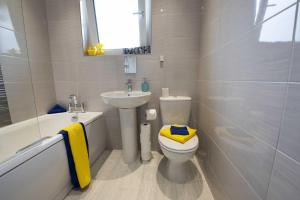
(145, 86)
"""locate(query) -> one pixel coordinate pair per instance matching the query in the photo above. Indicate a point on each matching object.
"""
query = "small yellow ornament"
(92, 51)
(95, 50)
(99, 46)
(100, 50)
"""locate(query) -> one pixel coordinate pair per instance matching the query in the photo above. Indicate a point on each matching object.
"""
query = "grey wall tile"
(36, 27)
(62, 10)
(211, 9)
(41, 71)
(64, 70)
(14, 61)
(63, 89)
(239, 17)
(257, 56)
(14, 69)
(45, 97)
(250, 156)
(21, 101)
(215, 185)
(176, 25)
(114, 133)
(255, 107)
(150, 68)
(63, 45)
(181, 7)
(285, 181)
(235, 185)
(295, 71)
(186, 47)
(289, 134)
(103, 70)
(244, 68)
(182, 88)
(89, 93)
(210, 38)
(182, 69)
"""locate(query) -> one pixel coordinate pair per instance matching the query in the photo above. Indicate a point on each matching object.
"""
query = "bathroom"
(225, 68)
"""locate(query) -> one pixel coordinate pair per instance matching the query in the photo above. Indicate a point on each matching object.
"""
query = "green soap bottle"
(145, 86)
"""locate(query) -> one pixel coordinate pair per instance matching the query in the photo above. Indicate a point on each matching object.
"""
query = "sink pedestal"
(127, 102)
(129, 134)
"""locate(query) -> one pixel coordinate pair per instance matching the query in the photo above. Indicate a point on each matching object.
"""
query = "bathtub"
(40, 170)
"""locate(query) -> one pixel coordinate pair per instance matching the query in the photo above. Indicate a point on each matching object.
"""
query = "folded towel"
(72, 169)
(57, 109)
(77, 151)
(177, 130)
(166, 132)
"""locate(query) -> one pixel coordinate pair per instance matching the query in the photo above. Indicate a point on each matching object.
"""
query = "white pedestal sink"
(127, 102)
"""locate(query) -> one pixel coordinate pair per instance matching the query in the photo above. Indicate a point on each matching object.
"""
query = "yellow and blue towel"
(178, 133)
(77, 148)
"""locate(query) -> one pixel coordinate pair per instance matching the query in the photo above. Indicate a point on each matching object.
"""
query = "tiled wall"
(175, 35)
(249, 99)
(14, 61)
(36, 27)
(245, 90)
(25, 58)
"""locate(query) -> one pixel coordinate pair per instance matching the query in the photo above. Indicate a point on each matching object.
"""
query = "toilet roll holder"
(151, 114)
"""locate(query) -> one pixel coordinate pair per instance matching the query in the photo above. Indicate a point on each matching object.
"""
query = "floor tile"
(116, 180)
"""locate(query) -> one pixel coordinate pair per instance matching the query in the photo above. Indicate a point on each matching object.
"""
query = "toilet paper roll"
(145, 138)
(151, 114)
(164, 92)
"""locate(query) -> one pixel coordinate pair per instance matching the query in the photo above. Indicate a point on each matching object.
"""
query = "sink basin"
(123, 99)
(127, 103)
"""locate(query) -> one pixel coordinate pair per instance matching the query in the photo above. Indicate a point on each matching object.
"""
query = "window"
(122, 26)
(118, 23)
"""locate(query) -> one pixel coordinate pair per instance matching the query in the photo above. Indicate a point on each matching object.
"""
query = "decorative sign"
(137, 50)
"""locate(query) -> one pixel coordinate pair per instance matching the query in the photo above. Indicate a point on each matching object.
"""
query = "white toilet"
(176, 110)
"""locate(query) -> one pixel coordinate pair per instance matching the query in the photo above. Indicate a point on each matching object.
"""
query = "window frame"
(90, 30)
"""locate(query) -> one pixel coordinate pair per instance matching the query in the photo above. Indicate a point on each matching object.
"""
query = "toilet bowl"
(178, 154)
(176, 110)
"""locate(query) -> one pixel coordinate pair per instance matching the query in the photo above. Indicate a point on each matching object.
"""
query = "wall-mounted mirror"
(121, 26)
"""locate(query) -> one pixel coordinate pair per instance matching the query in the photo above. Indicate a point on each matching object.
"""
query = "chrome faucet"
(129, 85)
(74, 105)
(73, 99)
